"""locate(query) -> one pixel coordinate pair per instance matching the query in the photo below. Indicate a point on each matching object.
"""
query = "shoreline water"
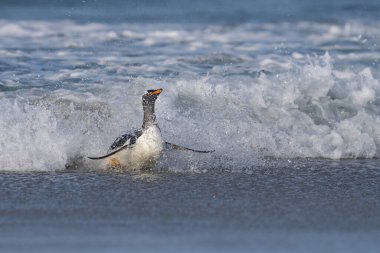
(321, 206)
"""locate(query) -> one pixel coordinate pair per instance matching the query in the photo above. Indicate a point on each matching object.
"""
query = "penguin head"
(150, 96)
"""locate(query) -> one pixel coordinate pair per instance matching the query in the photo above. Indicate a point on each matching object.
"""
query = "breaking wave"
(247, 102)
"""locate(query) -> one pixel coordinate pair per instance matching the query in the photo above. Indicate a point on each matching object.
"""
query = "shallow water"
(286, 206)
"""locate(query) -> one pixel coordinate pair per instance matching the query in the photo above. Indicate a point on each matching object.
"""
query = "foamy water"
(248, 90)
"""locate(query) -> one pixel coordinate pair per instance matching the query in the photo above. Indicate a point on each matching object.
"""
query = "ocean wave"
(247, 91)
(301, 113)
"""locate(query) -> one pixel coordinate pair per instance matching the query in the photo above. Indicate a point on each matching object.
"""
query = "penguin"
(140, 149)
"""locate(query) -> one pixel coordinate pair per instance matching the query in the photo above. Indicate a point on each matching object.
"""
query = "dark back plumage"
(127, 139)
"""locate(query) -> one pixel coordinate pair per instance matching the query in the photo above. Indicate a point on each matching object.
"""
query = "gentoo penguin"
(140, 149)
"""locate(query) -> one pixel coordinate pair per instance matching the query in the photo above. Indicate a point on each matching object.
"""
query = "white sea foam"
(29, 138)
(247, 91)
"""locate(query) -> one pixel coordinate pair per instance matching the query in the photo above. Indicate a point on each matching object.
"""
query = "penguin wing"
(109, 154)
(121, 142)
(125, 139)
(177, 147)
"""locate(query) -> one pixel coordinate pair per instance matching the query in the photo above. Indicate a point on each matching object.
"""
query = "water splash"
(225, 88)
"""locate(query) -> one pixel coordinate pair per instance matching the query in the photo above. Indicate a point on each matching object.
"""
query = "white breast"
(145, 151)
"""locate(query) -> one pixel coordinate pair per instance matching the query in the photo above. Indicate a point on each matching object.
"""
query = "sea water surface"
(286, 92)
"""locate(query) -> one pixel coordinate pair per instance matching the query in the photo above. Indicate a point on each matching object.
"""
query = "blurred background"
(185, 11)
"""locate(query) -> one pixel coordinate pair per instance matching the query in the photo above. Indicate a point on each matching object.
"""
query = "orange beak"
(156, 92)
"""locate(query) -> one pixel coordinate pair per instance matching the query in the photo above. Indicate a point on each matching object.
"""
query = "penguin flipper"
(177, 147)
(121, 142)
(109, 154)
